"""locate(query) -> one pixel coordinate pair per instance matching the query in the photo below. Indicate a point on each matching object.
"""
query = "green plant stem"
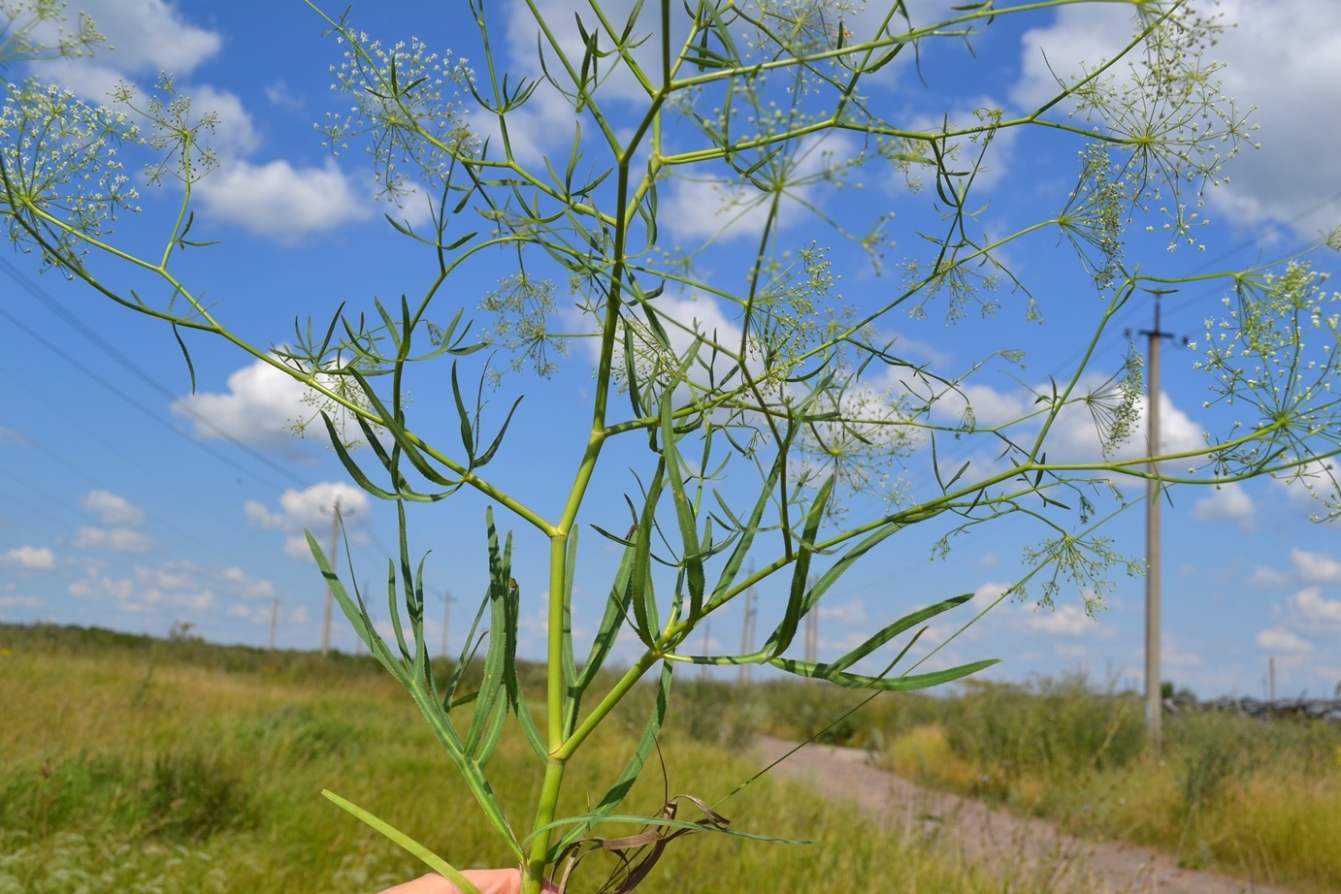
(533, 877)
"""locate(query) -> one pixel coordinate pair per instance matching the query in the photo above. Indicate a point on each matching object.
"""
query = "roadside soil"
(1028, 853)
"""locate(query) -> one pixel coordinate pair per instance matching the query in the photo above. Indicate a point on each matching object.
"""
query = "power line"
(135, 369)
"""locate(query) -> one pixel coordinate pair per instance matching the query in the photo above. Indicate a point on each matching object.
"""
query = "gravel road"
(1031, 851)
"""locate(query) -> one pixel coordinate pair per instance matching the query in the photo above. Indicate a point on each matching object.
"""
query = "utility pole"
(707, 640)
(326, 624)
(747, 632)
(274, 622)
(812, 630)
(1271, 675)
(1154, 701)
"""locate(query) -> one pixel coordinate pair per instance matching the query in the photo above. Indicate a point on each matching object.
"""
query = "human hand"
(489, 881)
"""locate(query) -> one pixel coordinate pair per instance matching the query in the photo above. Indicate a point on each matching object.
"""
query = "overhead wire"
(102, 344)
(53, 306)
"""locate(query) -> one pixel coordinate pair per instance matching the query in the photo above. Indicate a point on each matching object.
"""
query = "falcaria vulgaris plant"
(770, 429)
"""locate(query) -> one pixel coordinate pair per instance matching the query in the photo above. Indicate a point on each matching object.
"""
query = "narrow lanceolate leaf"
(616, 610)
(432, 860)
(569, 568)
(684, 513)
(352, 467)
(748, 530)
(887, 684)
(646, 745)
(886, 634)
(796, 600)
(492, 705)
(642, 596)
(356, 613)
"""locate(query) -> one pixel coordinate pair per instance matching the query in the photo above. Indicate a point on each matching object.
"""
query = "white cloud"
(1064, 620)
(150, 36)
(1278, 639)
(259, 408)
(310, 509)
(280, 95)
(1314, 608)
(112, 509)
(1267, 577)
(1315, 568)
(20, 602)
(281, 202)
(853, 612)
(119, 539)
(1227, 502)
(12, 437)
(709, 209)
(249, 587)
(260, 517)
(173, 585)
(1283, 57)
(37, 558)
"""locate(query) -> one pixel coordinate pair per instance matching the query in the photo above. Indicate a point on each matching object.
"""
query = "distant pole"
(446, 618)
(274, 622)
(326, 624)
(707, 640)
(1271, 676)
(812, 631)
(747, 632)
(1153, 697)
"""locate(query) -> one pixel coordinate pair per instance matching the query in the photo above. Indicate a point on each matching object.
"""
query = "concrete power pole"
(326, 623)
(274, 622)
(747, 632)
(1154, 702)
(812, 631)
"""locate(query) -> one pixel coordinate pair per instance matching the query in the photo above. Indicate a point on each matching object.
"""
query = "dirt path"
(1029, 850)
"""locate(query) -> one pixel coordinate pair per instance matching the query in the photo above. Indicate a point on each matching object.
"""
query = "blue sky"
(129, 503)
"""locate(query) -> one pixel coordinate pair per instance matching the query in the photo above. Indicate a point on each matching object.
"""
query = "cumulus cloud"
(258, 410)
(1315, 567)
(120, 518)
(1314, 608)
(171, 585)
(12, 437)
(1278, 639)
(853, 612)
(112, 509)
(260, 517)
(310, 509)
(36, 558)
(20, 602)
(1227, 502)
(707, 209)
(1284, 58)
(118, 539)
(1064, 620)
(247, 586)
(274, 200)
(281, 202)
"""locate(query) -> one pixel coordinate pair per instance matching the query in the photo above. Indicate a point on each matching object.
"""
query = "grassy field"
(134, 765)
(131, 766)
(1261, 800)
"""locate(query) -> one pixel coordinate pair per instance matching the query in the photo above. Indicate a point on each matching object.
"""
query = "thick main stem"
(534, 875)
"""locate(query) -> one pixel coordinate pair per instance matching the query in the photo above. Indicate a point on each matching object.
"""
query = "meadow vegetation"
(138, 766)
(1260, 800)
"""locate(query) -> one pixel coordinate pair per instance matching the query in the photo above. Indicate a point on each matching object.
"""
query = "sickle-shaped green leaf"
(684, 513)
(796, 600)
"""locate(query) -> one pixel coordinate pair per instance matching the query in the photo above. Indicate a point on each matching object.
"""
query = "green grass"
(1260, 800)
(129, 765)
